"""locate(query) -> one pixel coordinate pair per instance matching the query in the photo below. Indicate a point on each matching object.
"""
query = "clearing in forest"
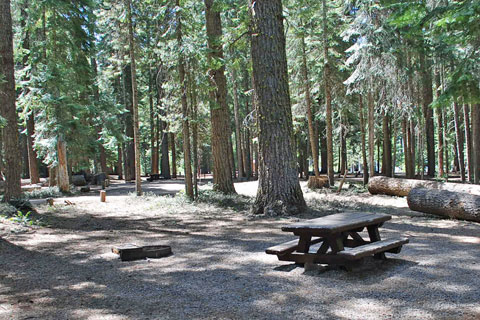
(219, 269)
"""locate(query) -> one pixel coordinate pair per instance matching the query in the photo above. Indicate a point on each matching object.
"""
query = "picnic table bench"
(335, 240)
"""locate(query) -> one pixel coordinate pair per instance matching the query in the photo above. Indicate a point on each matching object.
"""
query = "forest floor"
(65, 269)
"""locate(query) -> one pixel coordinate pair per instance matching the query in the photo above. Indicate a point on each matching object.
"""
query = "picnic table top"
(337, 222)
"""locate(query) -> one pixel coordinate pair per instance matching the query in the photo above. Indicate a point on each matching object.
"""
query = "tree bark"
(129, 149)
(7, 106)
(238, 134)
(185, 123)
(439, 113)
(174, 156)
(30, 117)
(248, 148)
(323, 147)
(279, 189)
(153, 128)
(445, 203)
(412, 149)
(468, 138)
(401, 187)
(371, 133)
(136, 133)
(220, 128)
(32, 153)
(328, 98)
(119, 163)
(364, 147)
(308, 102)
(476, 142)
(428, 112)
(52, 176)
(62, 168)
(459, 136)
(406, 149)
(387, 145)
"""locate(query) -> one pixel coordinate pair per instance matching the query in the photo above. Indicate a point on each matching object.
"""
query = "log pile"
(402, 187)
(445, 203)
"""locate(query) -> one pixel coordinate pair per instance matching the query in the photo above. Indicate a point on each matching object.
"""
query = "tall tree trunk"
(222, 169)
(7, 106)
(394, 147)
(428, 112)
(468, 138)
(412, 149)
(238, 135)
(323, 146)
(406, 148)
(248, 147)
(153, 128)
(195, 139)
(165, 161)
(278, 187)
(371, 133)
(445, 142)
(174, 156)
(62, 168)
(136, 133)
(185, 123)
(119, 163)
(439, 112)
(32, 153)
(387, 145)
(459, 138)
(364, 147)
(30, 117)
(308, 102)
(129, 148)
(52, 176)
(476, 142)
(328, 98)
(343, 148)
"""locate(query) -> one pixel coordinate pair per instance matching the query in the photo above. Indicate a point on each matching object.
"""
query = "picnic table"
(335, 240)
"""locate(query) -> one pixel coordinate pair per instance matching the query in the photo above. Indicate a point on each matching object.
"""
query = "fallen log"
(445, 203)
(401, 187)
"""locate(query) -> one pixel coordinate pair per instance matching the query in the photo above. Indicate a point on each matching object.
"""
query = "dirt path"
(219, 269)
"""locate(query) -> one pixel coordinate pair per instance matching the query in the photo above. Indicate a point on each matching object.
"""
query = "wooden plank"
(373, 248)
(336, 223)
(289, 246)
(131, 252)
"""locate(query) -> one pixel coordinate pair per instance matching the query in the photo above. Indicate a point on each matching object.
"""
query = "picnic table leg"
(374, 235)
(303, 247)
(304, 243)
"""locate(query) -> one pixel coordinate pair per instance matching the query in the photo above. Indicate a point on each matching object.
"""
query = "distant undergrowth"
(50, 192)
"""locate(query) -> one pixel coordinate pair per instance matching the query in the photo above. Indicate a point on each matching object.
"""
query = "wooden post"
(103, 196)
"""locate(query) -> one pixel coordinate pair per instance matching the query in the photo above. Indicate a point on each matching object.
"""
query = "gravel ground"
(219, 269)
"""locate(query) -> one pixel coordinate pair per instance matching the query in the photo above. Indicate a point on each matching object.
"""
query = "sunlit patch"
(86, 285)
(454, 288)
(95, 314)
(359, 308)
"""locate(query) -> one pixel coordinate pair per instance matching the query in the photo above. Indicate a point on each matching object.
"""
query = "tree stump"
(103, 196)
(317, 182)
(445, 203)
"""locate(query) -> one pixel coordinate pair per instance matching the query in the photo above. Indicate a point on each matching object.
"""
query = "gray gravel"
(219, 269)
